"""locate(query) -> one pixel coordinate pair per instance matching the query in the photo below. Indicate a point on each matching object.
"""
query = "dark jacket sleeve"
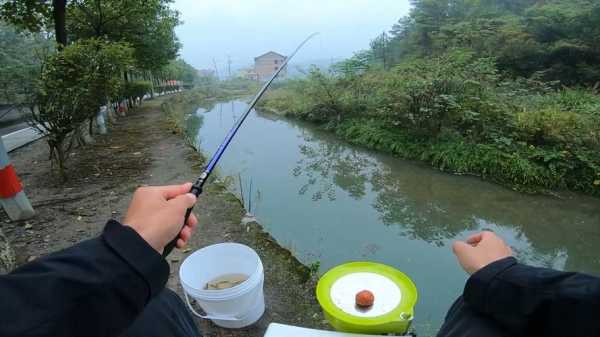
(531, 301)
(95, 288)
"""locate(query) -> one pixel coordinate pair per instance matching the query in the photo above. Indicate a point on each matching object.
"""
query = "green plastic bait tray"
(393, 308)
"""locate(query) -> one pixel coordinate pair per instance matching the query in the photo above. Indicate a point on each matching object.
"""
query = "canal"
(331, 202)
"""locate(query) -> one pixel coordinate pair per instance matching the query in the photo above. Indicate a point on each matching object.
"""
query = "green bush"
(523, 167)
(73, 84)
(453, 91)
(550, 126)
(135, 89)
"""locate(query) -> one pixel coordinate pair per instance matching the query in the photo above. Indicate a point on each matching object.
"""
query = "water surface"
(332, 202)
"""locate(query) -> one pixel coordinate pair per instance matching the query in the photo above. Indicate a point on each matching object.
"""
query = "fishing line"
(199, 184)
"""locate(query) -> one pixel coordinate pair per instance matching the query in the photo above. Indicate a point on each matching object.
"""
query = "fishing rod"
(199, 184)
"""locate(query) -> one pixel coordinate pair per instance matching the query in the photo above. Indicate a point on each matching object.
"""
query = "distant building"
(266, 64)
(249, 73)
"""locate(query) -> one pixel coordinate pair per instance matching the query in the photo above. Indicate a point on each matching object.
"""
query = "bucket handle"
(220, 318)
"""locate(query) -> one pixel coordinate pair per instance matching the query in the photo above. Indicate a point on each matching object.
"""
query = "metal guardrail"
(20, 138)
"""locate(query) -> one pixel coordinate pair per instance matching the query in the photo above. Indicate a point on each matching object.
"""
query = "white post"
(101, 120)
(13, 199)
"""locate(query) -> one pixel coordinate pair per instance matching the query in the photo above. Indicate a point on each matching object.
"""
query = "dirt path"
(144, 148)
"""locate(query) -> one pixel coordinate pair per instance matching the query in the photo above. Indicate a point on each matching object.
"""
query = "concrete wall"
(267, 64)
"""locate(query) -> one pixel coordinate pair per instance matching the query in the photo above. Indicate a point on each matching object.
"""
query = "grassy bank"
(519, 166)
(458, 114)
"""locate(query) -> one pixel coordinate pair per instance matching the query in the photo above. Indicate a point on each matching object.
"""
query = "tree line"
(105, 53)
(549, 39)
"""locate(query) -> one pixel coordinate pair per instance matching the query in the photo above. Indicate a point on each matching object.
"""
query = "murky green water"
(332, 202)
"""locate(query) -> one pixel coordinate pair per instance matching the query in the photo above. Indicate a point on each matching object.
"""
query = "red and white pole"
(13, 199)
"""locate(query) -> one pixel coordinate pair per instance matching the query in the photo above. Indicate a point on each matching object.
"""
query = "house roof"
(270, 52)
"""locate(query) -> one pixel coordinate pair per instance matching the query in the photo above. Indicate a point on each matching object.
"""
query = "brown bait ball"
(365, 299)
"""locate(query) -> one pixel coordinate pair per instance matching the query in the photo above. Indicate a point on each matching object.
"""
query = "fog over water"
(243, 29)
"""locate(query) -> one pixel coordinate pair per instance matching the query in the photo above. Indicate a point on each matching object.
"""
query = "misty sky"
(244, 29)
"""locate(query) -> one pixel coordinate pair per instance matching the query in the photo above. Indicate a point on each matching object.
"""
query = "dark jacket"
(98, 287)
(529, 301)
(95, 288)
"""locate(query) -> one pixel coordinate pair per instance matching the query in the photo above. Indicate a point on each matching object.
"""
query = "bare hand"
(480, 250)
(157, 213)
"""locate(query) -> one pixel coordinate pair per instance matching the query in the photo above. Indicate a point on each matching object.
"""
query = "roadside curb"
(28, 134)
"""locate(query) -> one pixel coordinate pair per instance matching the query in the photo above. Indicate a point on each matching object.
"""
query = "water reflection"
(438, 208)
(192, 119)
(330, 201)
(324, 165)
(193, 124)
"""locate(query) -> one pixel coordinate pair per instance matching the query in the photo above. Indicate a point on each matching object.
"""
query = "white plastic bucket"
(234, 307)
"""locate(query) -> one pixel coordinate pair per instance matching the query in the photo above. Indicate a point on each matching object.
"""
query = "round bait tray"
(395, 297)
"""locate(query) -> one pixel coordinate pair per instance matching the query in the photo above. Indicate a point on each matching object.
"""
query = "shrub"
(453, 91)
(73, 84)
(549, 126)
(136, 89)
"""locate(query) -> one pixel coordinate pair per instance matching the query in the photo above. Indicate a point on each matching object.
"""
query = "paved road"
(11, 119)
(6, 129)
(16, 139)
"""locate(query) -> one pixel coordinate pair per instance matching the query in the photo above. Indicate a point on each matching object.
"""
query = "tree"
(134, 90)
(381, 50)
(355, 65)
(109, 40)
(428, 16)
(550, 40)
(147, 25)
(73, 85)
(19, 63)
(180, 70)
(36, 15)
(31, 15)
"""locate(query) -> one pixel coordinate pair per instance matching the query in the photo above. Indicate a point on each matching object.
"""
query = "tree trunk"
(51, 153)
(81, 136)
(91, 126)
(59, 8)
(61, 162)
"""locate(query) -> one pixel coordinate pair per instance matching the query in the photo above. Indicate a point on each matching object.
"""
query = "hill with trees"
(505, 90)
